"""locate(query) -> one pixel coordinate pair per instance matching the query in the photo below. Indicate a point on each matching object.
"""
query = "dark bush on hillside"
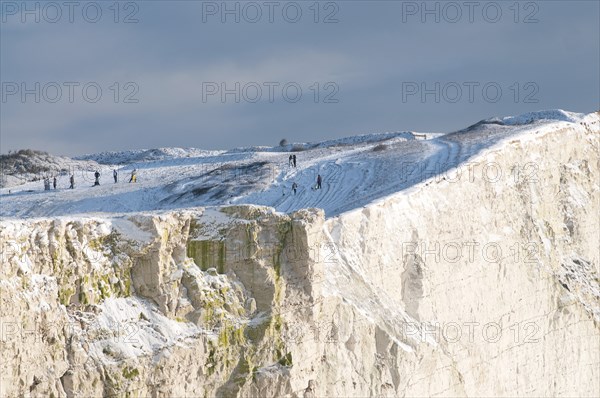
(22, 161)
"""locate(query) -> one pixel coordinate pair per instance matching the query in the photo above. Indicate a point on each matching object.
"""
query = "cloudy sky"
(85, 77)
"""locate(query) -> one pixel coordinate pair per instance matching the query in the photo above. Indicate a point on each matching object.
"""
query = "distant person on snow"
(133, 176)
(72, 180)
(97, 175)
(319, 181)
(294, 187)
(290, 160)
(294, 160)
(54, 182)
(115, 175)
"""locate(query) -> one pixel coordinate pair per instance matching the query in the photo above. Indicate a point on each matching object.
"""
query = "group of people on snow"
(292, 163)
(292, 160)
(47, 183)
(133, 178)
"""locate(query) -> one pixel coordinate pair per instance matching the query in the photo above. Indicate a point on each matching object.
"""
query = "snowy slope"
(355, 170)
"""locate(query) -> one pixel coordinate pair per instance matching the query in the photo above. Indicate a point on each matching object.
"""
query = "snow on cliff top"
(552, 115)
(355, 170)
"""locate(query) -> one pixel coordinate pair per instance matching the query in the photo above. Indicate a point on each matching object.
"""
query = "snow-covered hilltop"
(463, 264)
(355, 171)
(27, 165)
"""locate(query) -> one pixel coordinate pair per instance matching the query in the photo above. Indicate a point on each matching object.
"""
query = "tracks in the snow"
(354, 180)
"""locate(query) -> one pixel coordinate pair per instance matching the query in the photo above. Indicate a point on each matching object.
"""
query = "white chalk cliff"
(482, 280)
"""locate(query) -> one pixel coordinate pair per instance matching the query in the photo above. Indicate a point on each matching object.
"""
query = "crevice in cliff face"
(580, 279)
(412, 284)
(66, 384)
(237, 379)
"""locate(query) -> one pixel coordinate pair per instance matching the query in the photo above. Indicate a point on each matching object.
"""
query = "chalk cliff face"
(482, 281)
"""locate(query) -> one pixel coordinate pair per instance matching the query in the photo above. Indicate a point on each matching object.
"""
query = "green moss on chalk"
(221, 258)
(64, 295)
(129, 373)
(286, 360)
(207, 254)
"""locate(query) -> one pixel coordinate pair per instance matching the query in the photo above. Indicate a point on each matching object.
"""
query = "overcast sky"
(360, 66)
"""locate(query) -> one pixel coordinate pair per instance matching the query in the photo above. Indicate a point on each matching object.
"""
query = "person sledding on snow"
(319, 181)
(97, 175)
(133, 176)
(294, 187)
